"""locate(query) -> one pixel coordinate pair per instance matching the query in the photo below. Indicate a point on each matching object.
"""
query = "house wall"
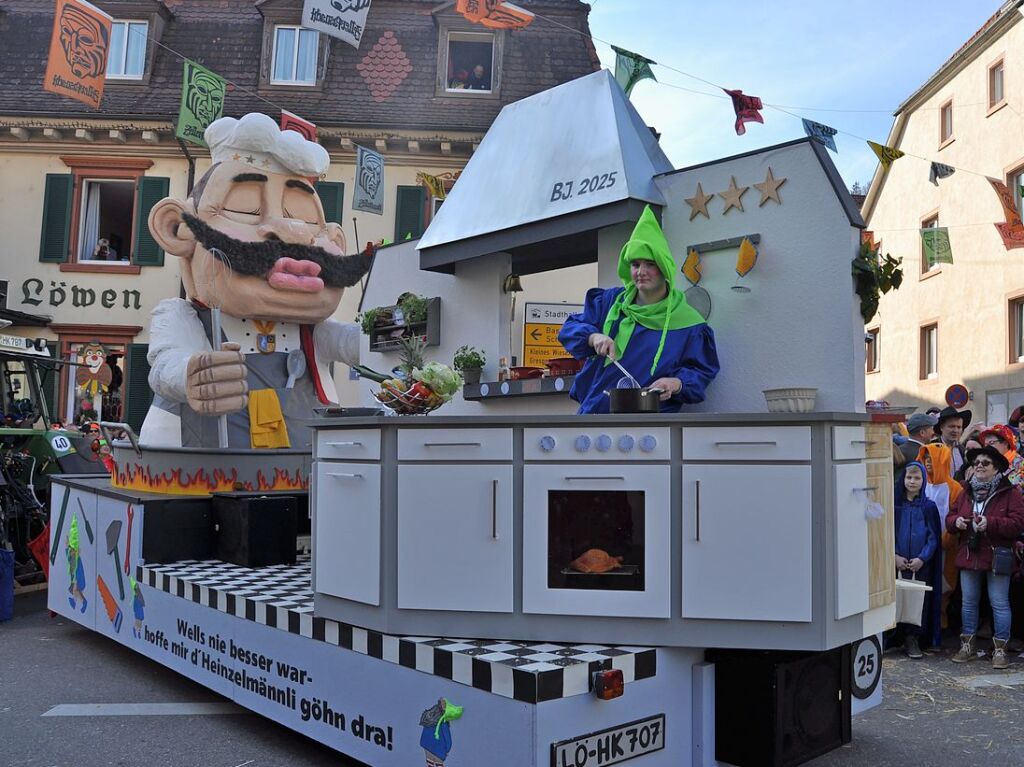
(969, 298)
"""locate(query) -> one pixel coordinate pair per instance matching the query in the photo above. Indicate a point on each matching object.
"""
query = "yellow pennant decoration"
(886, 155)
(691, 266)
(747, 257)
(433, 183)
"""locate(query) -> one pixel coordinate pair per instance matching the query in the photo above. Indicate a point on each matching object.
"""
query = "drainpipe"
(191, 165)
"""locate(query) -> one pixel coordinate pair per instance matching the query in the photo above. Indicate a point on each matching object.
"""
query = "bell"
(512, 284)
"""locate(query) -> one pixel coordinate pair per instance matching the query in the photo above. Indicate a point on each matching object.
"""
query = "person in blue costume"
(917, 544)
(646, 325)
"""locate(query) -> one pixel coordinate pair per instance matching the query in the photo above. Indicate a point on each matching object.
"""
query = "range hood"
(551, 170)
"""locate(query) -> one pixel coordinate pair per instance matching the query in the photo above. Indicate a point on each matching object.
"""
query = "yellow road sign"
(542, 323)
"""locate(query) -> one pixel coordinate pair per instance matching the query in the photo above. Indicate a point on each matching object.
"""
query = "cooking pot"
(635, 400)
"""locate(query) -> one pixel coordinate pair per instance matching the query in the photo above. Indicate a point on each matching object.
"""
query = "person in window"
(646, 325)
(478, 79)
(458, 82)
(102, 251)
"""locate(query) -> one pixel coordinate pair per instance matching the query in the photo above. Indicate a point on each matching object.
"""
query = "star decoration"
(265, 163)
(236, 157)
(769, 189)
(733, 196)
(250, 159)
(699, 203)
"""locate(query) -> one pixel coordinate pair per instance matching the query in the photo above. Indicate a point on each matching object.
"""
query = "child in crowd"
(917, 542)
(944, 490)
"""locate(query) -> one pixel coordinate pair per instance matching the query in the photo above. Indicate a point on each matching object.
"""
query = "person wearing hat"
(646, 325)
(951, 424)
(920, 430)
(1001, 438)
(988, 514)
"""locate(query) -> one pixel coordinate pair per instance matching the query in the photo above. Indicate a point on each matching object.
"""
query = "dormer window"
(295, 55)
(126, 59)
(470, 62)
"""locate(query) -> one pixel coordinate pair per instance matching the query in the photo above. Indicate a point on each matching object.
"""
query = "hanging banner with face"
(77, 62)
(202, 102)
(368, 196)
(343, 19)
(304, 128)
(936, 245)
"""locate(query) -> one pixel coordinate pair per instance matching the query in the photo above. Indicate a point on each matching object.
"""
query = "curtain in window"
(305, 64)
(90, 221)
(284, 54)
(135, 60)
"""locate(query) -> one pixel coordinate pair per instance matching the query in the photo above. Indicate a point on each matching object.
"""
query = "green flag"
(936, 245)
(631, 68)
(202, 102)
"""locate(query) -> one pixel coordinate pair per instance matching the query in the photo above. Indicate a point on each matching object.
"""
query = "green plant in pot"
(374, 317)
(414, 307)
(470, 362)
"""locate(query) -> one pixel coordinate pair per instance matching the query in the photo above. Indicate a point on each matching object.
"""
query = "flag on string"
(867, 236)
(886, 155)
(494, 14)
(77, 62)
(202, 101)
(936, 245)
(343, 19)
(823, 134)
(432, 183)
(939, 170)
(1012, 229)
(746, 108)
(291, 121)
(368, 195)
(631, 68)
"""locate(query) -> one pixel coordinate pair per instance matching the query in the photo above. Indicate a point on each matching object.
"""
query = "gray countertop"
(652, 419)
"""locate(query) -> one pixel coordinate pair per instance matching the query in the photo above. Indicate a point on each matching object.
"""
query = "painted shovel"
(60, 524)
(113, 539)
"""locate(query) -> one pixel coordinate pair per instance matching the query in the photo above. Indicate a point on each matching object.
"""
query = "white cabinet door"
(851, 529)
(346, 546)
(747, 542)
(455, 537)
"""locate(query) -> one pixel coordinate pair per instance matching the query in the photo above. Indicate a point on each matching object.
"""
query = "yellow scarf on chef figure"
(267, 428)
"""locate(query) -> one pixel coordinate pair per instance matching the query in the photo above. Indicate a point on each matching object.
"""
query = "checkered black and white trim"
(281, 597)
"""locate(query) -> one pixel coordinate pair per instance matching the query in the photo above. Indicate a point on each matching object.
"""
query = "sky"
(863, 57)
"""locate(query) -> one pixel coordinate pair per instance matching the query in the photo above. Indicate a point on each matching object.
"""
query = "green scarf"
(671, 313)
(451, 713)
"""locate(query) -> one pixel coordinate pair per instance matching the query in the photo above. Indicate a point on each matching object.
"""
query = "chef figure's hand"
(602, 344)
(668, 386)
(216, 381)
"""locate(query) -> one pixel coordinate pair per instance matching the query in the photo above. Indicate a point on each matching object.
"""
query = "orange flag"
(494, 14)
(1012, 230)
(77, 62)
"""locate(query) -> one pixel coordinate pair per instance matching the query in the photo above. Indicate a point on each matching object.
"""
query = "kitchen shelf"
(493, 390)
(429, 329)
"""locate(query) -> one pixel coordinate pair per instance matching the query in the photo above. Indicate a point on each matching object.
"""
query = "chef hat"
(258, 141)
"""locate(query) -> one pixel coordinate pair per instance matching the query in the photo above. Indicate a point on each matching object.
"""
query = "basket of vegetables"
(417, 387)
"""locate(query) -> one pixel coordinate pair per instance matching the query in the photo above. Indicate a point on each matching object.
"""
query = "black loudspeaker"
(777, 709)
(177, 529)
(255, 529)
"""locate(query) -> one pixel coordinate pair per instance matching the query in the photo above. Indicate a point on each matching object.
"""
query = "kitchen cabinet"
(851, 538)
(746, 542)
(346, 547)
(455, 537)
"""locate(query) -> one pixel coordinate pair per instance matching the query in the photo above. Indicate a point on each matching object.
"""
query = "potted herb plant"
(413, 307)
(470, 362)
(371, 318)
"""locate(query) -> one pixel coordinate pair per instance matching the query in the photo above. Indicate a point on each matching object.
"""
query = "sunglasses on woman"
(980, 464)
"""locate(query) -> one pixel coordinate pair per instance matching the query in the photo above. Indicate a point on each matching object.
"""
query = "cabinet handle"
(598, 479)
(862, 442)
(345, 444)
(451, 444)
(697, 515)
(731, 444)
(494, 509)
(862, 489)
(343, 474)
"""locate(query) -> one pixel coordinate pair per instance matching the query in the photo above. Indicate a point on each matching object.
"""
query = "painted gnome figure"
(253, 241)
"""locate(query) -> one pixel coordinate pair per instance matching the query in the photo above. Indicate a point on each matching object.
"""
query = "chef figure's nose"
(287, 230)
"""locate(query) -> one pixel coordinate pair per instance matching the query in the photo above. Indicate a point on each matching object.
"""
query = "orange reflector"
(609, 684)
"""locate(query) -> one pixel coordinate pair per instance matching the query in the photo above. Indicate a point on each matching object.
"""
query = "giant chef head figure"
(253, 242)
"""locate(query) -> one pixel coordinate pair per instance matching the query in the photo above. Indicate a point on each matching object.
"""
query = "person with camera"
(986, 518)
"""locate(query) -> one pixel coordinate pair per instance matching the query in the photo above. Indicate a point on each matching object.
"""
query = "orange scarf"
(941, 472)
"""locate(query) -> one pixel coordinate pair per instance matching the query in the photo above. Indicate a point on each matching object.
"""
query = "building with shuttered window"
(76, 185)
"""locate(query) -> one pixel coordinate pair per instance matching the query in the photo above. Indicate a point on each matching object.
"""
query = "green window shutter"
(148, 192)
(332, 197)
(409, 212)
(53, 242)
(50, 376)
(138, 395)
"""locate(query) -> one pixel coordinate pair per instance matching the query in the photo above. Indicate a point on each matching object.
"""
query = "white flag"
(344, 19)
(368, 195)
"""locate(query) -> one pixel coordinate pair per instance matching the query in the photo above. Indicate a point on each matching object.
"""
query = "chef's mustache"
(256, 259)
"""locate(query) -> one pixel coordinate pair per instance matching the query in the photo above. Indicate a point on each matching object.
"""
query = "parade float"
(502, 580)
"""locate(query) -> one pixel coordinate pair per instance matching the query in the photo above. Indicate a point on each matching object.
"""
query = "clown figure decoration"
(254, 243)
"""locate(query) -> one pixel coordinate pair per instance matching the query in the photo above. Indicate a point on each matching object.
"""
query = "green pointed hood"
(647, 243)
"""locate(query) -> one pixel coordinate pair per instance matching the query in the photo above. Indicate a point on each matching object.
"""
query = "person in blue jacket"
(646, 325)
(917, 542)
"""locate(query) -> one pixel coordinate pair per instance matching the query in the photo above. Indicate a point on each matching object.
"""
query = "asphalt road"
(934, 712)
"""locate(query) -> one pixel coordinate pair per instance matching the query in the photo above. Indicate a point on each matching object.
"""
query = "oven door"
(597, 540)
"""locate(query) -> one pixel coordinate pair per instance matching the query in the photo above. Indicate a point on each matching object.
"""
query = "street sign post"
(541, 324)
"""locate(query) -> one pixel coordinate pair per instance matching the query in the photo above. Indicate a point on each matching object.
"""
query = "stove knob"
(547, 443)
(582, 443)
(648, 442)
(604, 443)
(626, 443)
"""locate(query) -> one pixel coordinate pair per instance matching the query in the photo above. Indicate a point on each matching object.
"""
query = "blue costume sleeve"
(577, 328)
(697, 366)
(931, 541)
